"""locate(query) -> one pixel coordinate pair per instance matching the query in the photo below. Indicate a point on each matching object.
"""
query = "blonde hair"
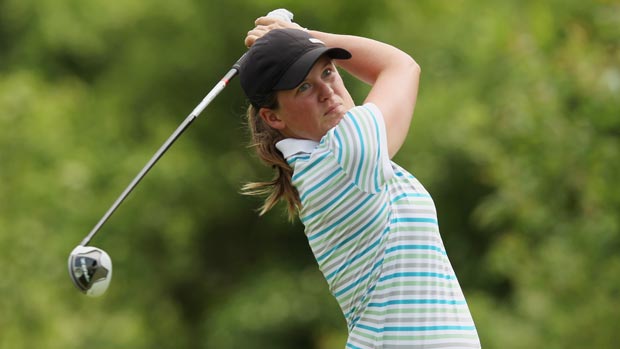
(263, 140)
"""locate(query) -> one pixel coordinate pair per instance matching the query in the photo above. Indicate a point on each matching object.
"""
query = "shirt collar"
(291, 146)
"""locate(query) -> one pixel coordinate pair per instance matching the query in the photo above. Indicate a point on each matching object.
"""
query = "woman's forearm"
(370, 57)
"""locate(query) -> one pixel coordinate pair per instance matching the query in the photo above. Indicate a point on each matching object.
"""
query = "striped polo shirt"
(374, 233)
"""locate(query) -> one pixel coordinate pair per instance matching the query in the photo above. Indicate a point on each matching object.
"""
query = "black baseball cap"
(280, 60)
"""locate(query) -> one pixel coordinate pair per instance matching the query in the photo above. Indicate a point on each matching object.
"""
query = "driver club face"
(90, 269)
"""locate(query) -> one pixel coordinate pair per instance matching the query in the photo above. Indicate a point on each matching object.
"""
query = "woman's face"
(312, 108)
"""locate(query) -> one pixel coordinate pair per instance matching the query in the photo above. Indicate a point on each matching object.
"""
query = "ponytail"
(263, 140)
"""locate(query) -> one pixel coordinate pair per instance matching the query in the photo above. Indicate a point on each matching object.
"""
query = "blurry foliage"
(516, 134)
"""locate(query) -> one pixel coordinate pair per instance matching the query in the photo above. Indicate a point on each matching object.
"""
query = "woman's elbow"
(413, 66)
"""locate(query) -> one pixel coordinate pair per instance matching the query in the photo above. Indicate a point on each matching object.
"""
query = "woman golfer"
(370, 224)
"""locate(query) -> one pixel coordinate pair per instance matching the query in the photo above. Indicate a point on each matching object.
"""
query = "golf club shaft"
(184, 125)
(282, 14)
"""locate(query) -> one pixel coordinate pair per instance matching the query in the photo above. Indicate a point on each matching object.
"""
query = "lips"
(332, 108)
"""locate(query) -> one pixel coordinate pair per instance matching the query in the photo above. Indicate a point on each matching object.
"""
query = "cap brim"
(300, 69)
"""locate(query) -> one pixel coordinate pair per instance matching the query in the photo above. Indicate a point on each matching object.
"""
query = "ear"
(271, 118)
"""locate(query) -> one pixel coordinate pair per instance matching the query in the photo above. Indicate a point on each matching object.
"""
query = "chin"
(335, 121)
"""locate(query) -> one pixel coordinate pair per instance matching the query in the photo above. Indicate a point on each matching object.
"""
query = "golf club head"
(90, 269)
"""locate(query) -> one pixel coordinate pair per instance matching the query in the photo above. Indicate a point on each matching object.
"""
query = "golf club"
(90, 267)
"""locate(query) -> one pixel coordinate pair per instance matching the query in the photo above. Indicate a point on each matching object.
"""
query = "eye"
(327, 72)
(303, 87)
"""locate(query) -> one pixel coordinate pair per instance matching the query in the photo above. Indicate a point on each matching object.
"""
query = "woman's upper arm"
(394, 92)
(393, 75)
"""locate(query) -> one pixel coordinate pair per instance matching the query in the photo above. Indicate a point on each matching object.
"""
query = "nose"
(325, 91)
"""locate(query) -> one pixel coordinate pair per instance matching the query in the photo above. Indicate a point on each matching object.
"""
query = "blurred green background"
(516, 135)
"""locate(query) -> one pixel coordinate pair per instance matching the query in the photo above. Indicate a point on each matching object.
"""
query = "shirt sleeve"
(359, 143)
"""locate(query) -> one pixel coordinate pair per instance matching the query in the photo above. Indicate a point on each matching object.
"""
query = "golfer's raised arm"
(394, 77)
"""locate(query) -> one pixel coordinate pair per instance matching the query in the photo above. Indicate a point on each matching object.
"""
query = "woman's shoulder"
(365, 110)
(359, 118)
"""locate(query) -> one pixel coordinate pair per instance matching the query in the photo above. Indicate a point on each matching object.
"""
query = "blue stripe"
(414, 220)
(331, 226)
(417, 301)
(359, 280)
(410, 195)
(295, 158)
(310, 166)
(340, 146)
(338, 222)
(349, 345)
(337, 197)
(354, 321)
(318, 185)
(361, 143)
(402, 174)
(415, 247)
(417, 274)
(378, 164)
(416, 328)
(358, 256)
(354, 235)
(354, 309)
